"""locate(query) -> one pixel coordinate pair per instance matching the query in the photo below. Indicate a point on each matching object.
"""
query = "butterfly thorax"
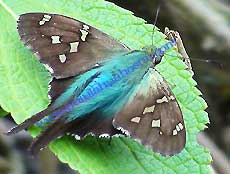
(154, 53)
(150, 50)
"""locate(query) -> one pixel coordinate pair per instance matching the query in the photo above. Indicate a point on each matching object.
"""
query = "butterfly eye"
(157, 59)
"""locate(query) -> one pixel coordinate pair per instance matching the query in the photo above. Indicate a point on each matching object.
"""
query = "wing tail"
(39, 116)
(52, 132)
(29, 122)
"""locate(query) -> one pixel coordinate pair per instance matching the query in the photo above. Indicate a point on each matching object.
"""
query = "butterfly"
(99, 87)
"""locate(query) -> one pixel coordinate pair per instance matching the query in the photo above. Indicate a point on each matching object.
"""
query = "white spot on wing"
(55, 39)
(85, 27)
(84, 35)
(136, 119)
(174, 132)
(37, 54)
(177, 128)
(73, 47)
(172, 97)
(42, 22)
(62, 58)
(49, 88)
(118, 135)
(156, 123)
(46, 18)
(149, 109)
(49, 97)
(123, 131)
(181, 126)
(162, 100)
(77, 137)
(104, 136)
(90, 133)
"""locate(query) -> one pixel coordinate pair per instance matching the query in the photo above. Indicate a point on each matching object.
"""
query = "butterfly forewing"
(52, 37)
(66, 46)
(153, 116)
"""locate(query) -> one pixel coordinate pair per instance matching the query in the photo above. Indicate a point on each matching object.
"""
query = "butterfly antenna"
(155, 21)
(214, 62)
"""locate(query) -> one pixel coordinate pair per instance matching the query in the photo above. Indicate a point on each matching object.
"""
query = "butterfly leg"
(171, 34)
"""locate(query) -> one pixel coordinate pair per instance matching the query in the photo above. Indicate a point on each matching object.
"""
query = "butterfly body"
(99, 86)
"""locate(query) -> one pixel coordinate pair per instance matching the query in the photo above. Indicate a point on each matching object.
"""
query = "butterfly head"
(157, 59)
(155, 53)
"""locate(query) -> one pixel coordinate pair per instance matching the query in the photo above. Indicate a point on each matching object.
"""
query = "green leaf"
(24, 86)
(2, 112)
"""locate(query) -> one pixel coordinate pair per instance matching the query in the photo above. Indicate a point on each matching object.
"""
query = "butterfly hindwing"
(64, 45)
(53, 108)
(53, 131)
(92, 124)
(153, 116)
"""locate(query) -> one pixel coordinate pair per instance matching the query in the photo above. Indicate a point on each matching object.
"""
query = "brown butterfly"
(100, 86)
